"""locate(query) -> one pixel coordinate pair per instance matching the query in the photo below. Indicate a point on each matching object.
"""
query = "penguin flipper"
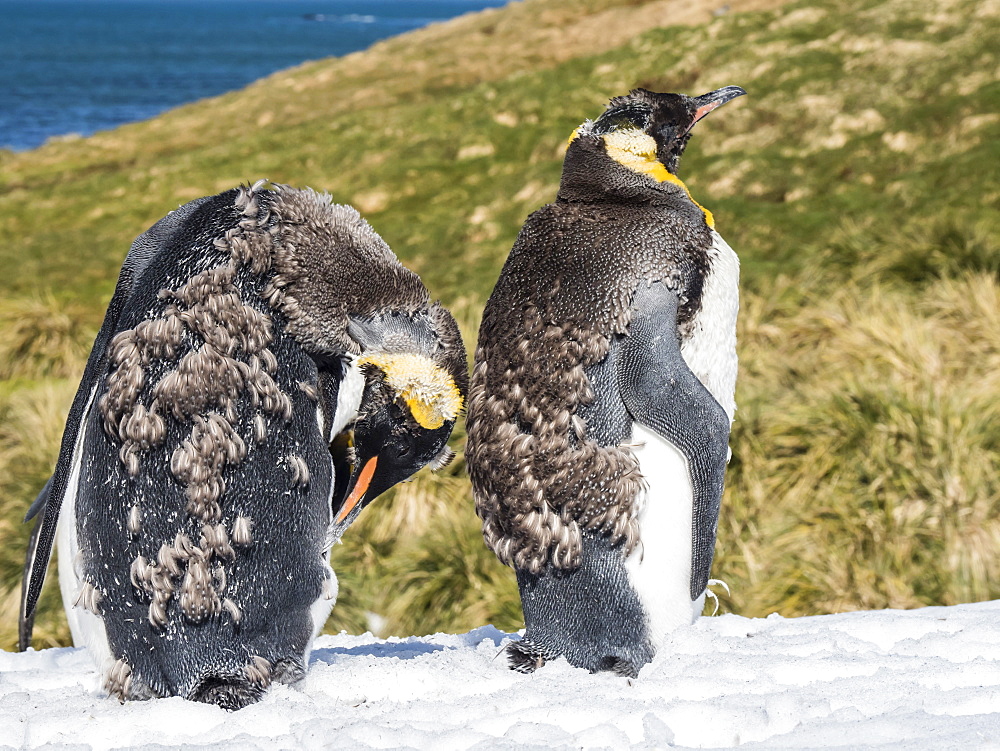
(660, 392)
(39, 503)
(26, 621)
(143, 250)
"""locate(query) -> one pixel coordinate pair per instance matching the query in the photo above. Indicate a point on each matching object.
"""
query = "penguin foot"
(524, 656)
(619, 666)
(230, 693)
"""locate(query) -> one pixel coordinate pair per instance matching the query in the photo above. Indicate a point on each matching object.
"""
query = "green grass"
(857, 181)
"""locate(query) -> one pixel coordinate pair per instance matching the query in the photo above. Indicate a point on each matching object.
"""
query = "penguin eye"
(397, 412)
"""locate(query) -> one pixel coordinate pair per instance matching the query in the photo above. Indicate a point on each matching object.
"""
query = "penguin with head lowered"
(603, 393)
(266, 368)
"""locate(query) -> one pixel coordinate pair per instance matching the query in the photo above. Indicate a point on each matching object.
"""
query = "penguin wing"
(39, 503)
(26, 621)
(660, 392)
(50, 500)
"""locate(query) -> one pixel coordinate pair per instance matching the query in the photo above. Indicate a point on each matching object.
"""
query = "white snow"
(914, 679)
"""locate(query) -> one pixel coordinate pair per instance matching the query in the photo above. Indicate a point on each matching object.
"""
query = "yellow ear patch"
(636, 151)
(428, 390)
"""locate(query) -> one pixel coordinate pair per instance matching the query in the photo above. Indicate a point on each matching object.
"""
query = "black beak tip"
(712, 100)
(725, 94)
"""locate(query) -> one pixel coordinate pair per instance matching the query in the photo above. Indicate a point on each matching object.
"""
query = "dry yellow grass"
(31, 423)
(866, 458)
(41, 337)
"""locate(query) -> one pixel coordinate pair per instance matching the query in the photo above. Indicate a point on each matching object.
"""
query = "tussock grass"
(855, 182)
(451, 578)
(31, 424)
(41, 337)
(424, 552)
(866, 467)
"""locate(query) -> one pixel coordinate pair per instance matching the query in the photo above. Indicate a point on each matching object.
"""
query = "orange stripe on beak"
(364, 480)
(704, 110)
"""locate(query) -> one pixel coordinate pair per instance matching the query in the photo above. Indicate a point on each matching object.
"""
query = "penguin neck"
(600, 173)
(648, 165)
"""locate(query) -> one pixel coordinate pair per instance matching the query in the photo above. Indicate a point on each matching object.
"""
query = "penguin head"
(637, 142)
(414, 391)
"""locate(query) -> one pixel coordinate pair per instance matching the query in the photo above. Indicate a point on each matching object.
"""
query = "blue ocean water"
(78, 66)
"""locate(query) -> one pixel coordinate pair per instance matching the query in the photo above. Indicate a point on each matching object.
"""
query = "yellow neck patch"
(636, 151)
(428, 390)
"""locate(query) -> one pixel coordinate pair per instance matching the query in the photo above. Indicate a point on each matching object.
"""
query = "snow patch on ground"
(916, 679)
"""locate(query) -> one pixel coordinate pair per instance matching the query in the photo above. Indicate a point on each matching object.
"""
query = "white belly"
(710, 348)
(321, 608)
(87, 629)
(660, 566)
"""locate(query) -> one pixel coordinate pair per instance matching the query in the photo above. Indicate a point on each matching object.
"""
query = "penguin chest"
(349, 396)
(709, 346)
(659, 569)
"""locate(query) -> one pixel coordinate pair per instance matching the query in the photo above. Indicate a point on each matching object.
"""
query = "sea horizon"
(76, 67)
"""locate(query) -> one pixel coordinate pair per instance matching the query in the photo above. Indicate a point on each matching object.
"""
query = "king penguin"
(603, 394)
(266, 367)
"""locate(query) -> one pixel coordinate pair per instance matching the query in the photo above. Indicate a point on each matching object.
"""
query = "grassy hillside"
(858, 182)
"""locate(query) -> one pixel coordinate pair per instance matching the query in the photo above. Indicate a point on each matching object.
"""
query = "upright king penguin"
(266, 368)
(603, 394)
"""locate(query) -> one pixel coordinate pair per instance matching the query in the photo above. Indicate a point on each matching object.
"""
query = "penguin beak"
(713, 99)
(378, 464)
(360, 483)
(387, 448)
